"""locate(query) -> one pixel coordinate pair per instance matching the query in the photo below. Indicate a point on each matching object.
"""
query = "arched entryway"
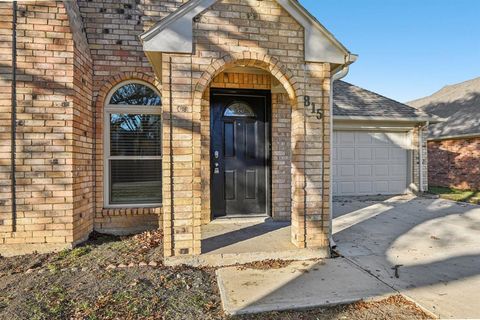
(299, 146)
(260, 79)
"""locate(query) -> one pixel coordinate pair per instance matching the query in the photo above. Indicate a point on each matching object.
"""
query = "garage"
(370, 162)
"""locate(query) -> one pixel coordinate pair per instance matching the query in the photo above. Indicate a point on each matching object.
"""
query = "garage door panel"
(381, 187)
(397, 170)
(346, 154)
(346, 187)
(364, 153)
(363, 139)
(367, 163)
(346, 171)
(381, 170)
(380, 139)
(364, 187)
(364, 170)
(335, 187)
(381, 154)
(397, 154)
(334, 154)
(346, 138)
(394, 186)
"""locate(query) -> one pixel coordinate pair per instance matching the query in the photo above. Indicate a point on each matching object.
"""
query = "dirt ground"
(124, 278)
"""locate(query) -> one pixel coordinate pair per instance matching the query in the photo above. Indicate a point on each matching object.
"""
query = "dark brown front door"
(239, 152)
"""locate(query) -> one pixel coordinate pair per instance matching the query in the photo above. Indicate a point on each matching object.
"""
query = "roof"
(459, 104)
(353, 102)
(174, 33)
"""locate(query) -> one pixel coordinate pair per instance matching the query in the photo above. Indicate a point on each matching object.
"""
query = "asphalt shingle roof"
(459, 104)
(350, 100)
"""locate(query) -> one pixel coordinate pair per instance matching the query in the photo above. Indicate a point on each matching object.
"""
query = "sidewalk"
(300, 285)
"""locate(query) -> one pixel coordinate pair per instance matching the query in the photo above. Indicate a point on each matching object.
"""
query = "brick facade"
(72, 54)
(112, 30)
(272, 41)
(54, 133)
(454, 163)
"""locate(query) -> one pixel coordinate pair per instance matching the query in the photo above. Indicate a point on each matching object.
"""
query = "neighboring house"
(122, 116)
(454, 145)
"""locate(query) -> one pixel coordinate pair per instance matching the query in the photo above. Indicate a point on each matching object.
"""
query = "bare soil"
(109, 278)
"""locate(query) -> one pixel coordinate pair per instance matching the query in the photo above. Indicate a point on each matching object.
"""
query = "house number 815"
(317, 112)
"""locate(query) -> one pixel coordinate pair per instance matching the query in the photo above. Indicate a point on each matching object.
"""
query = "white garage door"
(369, 163)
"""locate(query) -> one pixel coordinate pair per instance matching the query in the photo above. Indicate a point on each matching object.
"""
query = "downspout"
(14, 118)
(336, 76)
(304, 159)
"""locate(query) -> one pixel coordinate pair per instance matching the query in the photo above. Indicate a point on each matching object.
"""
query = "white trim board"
(174, 34)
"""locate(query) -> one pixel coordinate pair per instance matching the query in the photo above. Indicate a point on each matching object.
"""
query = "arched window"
(133, 146)
(239, 109)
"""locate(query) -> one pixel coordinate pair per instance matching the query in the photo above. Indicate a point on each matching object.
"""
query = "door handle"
(216, 170)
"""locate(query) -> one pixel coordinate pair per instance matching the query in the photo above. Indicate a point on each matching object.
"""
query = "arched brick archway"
(186, 204)
(248, 59)
(293, 102)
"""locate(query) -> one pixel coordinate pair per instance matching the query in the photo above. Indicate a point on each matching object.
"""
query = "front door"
(239, 152)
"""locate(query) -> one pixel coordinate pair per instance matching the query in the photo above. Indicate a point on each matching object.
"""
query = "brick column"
(180, 178)
(310, 161)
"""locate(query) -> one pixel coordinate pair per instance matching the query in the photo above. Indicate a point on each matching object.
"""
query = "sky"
(407, 49)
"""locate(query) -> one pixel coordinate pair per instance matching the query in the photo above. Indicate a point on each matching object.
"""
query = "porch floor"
(232, 241)
(235, 235)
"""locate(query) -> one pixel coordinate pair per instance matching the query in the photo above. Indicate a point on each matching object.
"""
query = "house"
(454, 145)
(122, 116)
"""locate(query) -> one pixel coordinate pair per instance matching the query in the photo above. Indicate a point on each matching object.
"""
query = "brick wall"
(112, 29)
(281, 157)
(53, 138)
(5, 119)
(454, 163)
(65, 76)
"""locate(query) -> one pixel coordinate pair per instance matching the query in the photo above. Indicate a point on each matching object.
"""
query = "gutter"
(390, 119)
(337, 75)
(453, 137)
(14, 118)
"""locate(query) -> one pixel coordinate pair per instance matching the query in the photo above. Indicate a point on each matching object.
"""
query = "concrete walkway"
(427, 249)
(302, 284)
(434, 243)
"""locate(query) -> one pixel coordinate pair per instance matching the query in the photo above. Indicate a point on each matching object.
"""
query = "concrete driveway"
(434, 243)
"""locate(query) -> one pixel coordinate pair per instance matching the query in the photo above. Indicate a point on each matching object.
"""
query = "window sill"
(109, 211)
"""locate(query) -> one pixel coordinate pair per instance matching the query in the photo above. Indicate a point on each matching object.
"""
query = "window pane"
(239, 109)
(136, 94)
(135, 181)
(135, 135)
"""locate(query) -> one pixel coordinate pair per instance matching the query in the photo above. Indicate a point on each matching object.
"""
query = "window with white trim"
(133, 146)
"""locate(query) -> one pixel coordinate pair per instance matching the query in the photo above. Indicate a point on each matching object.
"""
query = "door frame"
(267, 94)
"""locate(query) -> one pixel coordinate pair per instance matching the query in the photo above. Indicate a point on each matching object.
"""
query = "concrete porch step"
(230, 259)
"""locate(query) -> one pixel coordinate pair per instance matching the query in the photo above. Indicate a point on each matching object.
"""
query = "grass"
(470, 196)
(74, 284)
